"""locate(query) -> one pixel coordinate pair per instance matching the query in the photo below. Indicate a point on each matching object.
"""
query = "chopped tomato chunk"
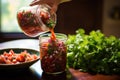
(13, 58)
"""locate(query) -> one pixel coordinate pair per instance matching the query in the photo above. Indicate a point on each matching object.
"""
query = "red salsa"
(14, 58)
(30, 22)
(53, 56)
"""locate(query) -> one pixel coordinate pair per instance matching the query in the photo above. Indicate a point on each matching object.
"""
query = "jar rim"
(58, 35)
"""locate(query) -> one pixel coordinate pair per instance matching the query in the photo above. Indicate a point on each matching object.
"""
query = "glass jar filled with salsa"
(35, 20)
(53, 53)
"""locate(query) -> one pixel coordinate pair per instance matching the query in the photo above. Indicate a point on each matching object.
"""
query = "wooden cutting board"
(86, 76)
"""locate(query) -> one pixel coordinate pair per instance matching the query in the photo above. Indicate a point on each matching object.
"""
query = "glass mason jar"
(53, 53)
(35, 20)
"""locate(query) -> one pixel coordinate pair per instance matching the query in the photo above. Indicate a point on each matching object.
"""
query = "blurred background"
(87, 14)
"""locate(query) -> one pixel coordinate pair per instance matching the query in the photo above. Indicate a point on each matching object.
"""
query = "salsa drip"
(53, 36)
(49, 23)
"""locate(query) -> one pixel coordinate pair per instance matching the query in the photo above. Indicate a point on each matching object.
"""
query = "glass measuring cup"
(35, 20)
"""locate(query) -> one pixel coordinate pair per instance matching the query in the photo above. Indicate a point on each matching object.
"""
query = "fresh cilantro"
(94, 52)
(50, 23)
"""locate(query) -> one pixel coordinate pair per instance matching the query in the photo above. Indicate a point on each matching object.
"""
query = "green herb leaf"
(94, 52)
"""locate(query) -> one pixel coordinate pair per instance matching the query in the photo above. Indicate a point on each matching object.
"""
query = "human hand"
(52, 3)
